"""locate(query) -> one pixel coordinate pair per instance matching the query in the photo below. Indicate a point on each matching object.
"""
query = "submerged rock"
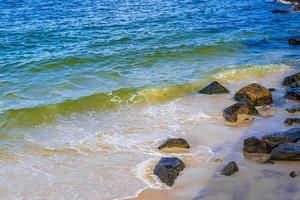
(230, 169)
(168, 168)
(289, 136)
(292, 81)
(255, 145)
(293, 94)
(214, 88)
(256, 93)
(293, 109)
(294, 41)
(275, 11)
(243, 107)
(175, 142)
(289, 151)
(291, 121)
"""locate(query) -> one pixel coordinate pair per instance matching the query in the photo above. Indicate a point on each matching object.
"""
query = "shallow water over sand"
(111, 154)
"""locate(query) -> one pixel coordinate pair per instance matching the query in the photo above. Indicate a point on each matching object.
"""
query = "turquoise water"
(57, 53)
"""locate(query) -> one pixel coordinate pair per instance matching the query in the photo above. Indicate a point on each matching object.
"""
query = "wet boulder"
(288, 151)
(231, 113)
(255, 145)
(291, 121)
(175, 142)
(292, 81)
(255, 93)
(230, 169)
(293, 94)
(214, 88)
(289, 136)
(167, 169)
(293, 109)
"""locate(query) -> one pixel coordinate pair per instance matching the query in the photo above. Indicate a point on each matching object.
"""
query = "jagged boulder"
(255, 145)
(255, 93)
(289, 151)
(289, 136)
(293, 94)
(175, 142)
(231, 113)
(292, 81)
(214, 88)
(168, 168)
(230, 169)
(291, 121)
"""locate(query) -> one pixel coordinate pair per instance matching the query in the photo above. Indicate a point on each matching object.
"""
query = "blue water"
(59, 50)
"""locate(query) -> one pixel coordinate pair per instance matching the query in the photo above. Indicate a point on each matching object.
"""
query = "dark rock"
(291, 121)
(280, 11)
(255, 145)
(293, 94)
(243, 107)
(293, 109)
(214, 88)
(256, 93)
(230, 169)
(292, 2)
(296, 8)
(294, 41)
(292, 81)
(291, 135)
(293, 174)
(272, 89)
(289, 151)
(168, 168)
(175, 142)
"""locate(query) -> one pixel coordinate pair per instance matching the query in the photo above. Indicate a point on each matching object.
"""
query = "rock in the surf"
(289, 136)
(256, 93)
(288, 151)
(175, 142)
(294, 174)
(291, 121)
(293, 109)
(231, 113)
(294, 41)
(255, 145)
(296, 8)
(230, 169)
(293, 94)
(168, 168)
(292, 81)
(283, 12)
(214, 88)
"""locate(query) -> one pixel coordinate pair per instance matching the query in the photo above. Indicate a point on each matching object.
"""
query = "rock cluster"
(282, 145)
(168, 168)
(247, 99)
